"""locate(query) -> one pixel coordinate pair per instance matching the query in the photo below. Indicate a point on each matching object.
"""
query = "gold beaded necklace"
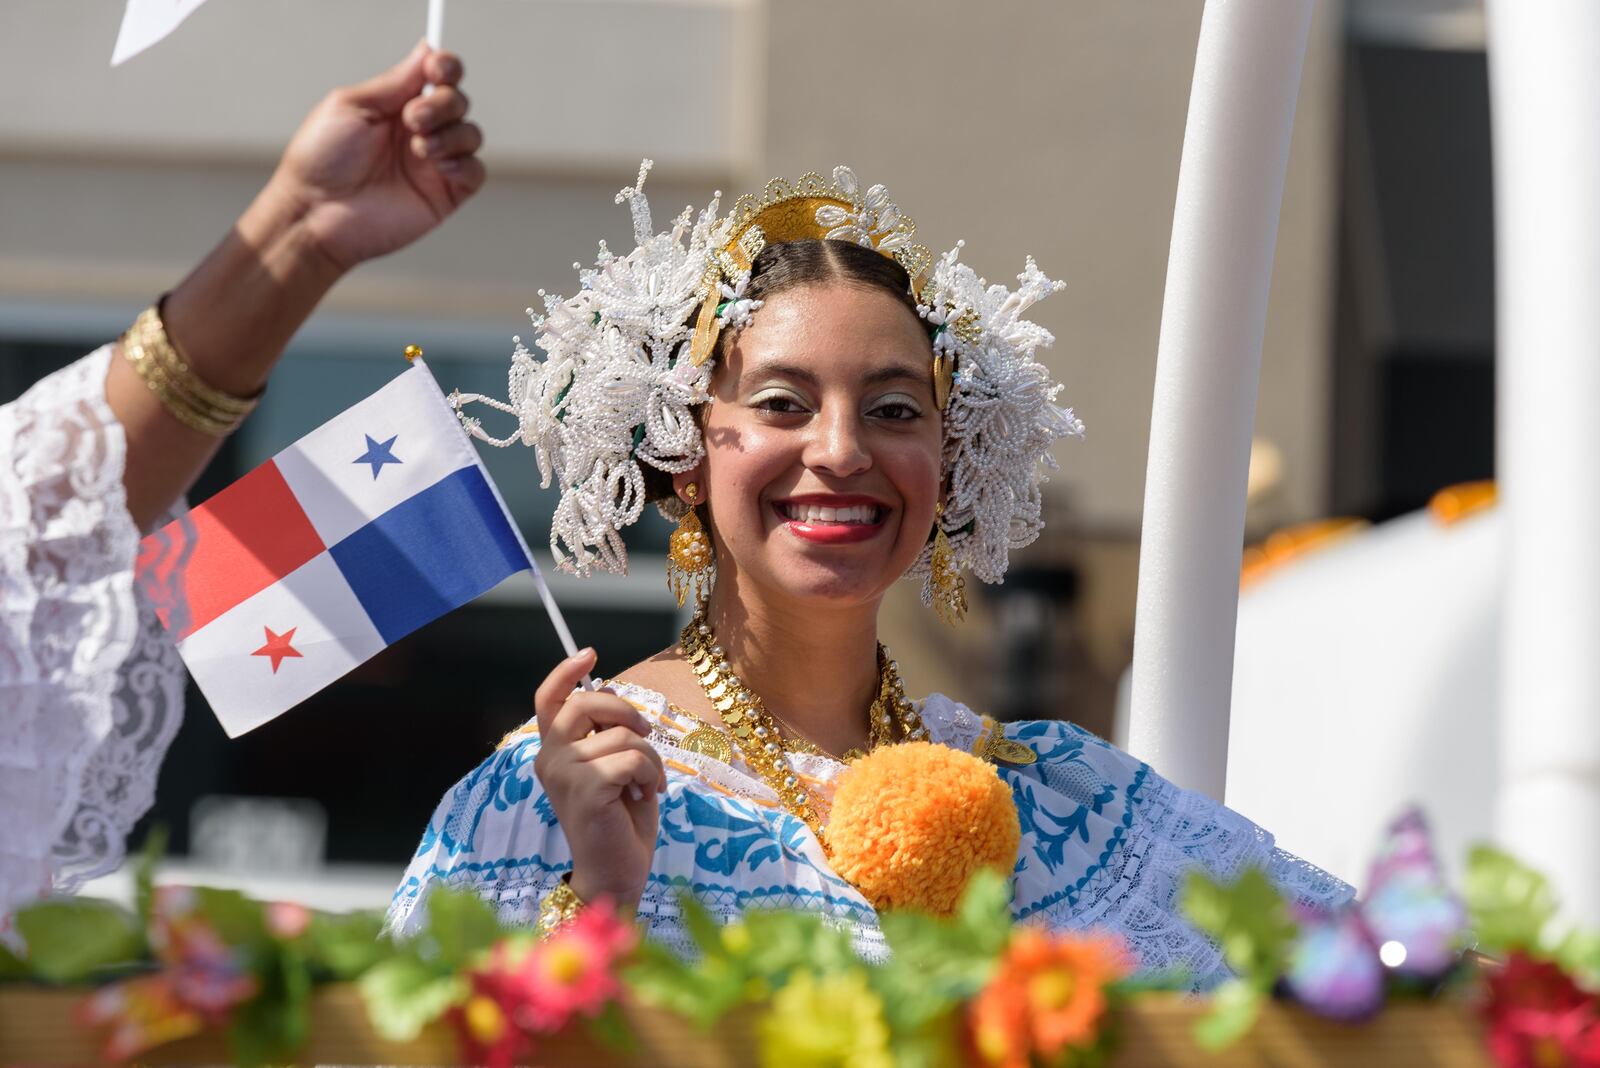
(755, 730)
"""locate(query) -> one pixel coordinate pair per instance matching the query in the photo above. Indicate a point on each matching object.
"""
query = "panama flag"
(375, 523)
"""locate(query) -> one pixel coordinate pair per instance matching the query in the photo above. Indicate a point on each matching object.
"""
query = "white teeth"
(815, 513)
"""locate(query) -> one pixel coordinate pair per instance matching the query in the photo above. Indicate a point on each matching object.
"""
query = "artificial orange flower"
(1047, 998)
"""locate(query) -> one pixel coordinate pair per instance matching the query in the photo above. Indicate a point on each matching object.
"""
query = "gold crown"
(812, 208)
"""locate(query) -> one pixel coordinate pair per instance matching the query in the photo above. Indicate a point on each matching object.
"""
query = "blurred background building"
(1051, 129)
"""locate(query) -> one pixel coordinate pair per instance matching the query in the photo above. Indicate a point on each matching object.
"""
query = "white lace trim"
(91, 690)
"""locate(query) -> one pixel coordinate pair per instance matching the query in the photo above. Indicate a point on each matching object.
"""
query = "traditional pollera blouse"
(1106, 842)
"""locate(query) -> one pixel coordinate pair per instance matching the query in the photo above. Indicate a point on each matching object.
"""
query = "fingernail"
(587, 651)
(434, 143)
(451, 166)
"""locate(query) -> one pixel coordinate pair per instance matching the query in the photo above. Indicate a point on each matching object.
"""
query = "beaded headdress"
(628, 358)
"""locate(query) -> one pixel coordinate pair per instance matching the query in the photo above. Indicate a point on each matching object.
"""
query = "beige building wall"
(1021, 126)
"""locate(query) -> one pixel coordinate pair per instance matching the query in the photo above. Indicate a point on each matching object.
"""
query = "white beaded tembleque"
(627, 359)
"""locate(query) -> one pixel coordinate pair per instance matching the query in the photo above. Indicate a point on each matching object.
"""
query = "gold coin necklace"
(755, 732)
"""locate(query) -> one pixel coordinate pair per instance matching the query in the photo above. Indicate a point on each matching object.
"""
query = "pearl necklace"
(755, 731)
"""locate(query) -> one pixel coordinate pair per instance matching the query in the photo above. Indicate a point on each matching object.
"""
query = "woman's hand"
(373, 167)
(602, 778)
(377, 165)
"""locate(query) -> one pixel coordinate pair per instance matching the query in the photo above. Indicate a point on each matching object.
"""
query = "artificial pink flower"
(573, 970)
(526, 988)
(287, 920)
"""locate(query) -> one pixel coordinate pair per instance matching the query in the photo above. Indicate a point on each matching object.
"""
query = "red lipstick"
(819, 531)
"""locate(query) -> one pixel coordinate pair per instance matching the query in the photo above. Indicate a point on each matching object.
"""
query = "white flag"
(146, 22)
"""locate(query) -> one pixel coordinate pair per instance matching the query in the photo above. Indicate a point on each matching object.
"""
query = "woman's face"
(822, 446)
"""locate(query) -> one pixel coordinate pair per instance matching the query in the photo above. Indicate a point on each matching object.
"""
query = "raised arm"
(373, 167)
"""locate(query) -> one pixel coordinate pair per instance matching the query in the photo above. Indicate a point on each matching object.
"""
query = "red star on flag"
(278, 647)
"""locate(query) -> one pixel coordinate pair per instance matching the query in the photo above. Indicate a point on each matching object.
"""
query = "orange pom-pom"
(911, 823)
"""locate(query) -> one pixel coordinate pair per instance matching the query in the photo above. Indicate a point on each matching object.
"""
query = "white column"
(1224, 229)
(1544, 80)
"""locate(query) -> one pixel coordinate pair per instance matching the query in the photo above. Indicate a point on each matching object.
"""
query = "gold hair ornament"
(813, 208)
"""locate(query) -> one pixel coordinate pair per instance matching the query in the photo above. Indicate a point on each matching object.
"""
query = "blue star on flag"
(378, 454)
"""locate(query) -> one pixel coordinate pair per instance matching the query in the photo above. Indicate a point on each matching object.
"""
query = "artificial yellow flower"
(831, 1021)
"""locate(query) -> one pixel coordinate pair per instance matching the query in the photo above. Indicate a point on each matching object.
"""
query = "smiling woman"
(803, 385)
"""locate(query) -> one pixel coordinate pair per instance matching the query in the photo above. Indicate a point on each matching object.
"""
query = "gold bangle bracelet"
(559, 906)
(182, 392)
(166, 351)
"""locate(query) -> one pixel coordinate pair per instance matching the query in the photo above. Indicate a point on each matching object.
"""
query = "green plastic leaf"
(701, 925)
(700, 994)
(404, 995)
(611, 1030)
(1510, 903)
(460, 925)
(144, 872)
(935, 964)
(1579, 954)
(985, 908)
(12, 966)
(1249, 919)
(237, 919)
(1235, 1007)
(345, 946)
(272, 1026)
(69, 939)
(774, 944)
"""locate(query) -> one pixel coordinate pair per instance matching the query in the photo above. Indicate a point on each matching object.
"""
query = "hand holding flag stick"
(372, 168)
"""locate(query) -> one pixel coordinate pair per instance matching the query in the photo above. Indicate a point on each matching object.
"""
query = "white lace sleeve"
(91, 689)
(1108, 843)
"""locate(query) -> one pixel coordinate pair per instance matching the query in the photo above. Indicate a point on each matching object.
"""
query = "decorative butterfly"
(1408, 926)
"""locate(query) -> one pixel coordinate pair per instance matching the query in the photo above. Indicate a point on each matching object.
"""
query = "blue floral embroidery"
(505, 780)
(1052, 741)
(1051, 831)
(738, 847)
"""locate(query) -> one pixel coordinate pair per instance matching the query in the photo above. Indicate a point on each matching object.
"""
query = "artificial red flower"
(487, 1036)
(1539, 1018)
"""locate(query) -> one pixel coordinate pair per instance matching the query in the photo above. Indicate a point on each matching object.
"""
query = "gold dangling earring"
(689, 559)
(949, 588)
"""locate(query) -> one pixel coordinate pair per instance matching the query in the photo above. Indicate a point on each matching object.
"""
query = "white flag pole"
(435, 24)
(1230, 187)
(435, 33)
